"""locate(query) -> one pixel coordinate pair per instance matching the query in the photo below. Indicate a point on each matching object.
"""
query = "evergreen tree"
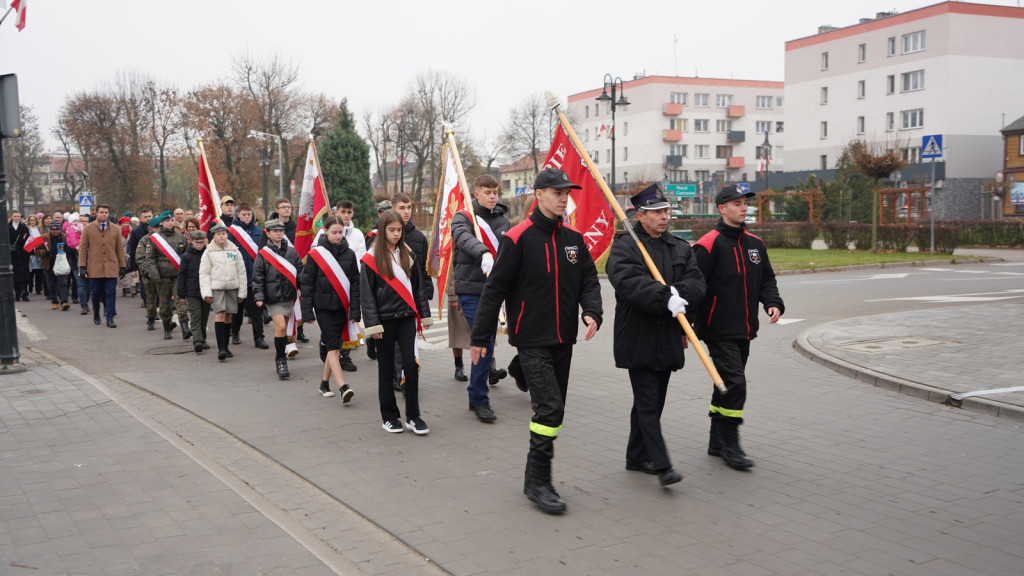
(345, 163)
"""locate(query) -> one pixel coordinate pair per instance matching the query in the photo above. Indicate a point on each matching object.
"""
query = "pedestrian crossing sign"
(931, 146)
(85, 201)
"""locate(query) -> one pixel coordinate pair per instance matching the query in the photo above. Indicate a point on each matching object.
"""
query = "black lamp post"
(615, 83)
(402, 140)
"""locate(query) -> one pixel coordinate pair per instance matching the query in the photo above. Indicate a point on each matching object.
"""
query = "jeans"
(84, 290)
(481, 370)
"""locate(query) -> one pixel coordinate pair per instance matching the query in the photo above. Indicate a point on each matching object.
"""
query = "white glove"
(486, 263)
(676, 304)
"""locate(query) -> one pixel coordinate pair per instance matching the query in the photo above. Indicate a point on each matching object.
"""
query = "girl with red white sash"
(275, 275)
(330, 295)
(394, 308)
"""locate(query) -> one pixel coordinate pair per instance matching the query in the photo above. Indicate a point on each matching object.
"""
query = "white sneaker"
(417, 426)
(292, 350)
(393, 426)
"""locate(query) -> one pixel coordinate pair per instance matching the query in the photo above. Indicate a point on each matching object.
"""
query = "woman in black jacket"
(331, 266)
(276, 289)
(394, 308)
(19, 234)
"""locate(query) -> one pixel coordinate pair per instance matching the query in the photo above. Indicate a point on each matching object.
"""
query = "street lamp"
(402, 140)
(280, 169)
(615, 103)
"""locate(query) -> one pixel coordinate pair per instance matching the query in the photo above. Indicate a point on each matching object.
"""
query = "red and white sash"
(400, 283)
(336, 276)
(165, 248)
(286, 268)
(488, 236)
(244, 240)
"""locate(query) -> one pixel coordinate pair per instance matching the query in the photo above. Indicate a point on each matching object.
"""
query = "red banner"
(209, 202)
(314, 207)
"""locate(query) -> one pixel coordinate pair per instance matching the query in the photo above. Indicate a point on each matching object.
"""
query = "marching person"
(394, 309)
(346, 210)
(382, 206)
(739, 276)
(545, 274)
(102, 260)
(247, 235)
(160, 263)
(648, 340)
(19, 234)
(227, 211)
(473, 261)
(222, 285)
(330, 295)
(53, 245)
(275, 275)
(132, 246)
(190, 290)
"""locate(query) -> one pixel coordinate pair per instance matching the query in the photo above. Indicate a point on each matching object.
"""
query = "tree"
(21, 156)
(345, 163)
(222, 115)
(162, 106)
(71, 178)
(875, 161)
(527, 130)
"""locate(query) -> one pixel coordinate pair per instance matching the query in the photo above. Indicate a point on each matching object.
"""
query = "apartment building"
(681, 130)
(954, 68)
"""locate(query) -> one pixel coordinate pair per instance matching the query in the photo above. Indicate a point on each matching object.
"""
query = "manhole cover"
(892, 344)
(179, 349)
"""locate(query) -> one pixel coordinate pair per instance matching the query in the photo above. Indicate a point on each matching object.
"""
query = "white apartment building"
(680, 130)
(954, 69)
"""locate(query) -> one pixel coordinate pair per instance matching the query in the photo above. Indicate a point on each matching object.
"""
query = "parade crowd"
(373, 290)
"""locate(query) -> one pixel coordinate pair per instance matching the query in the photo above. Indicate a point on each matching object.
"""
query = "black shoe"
(545, 496)
(235, 338)
(228, 352)
(735, 458)
(397, 385)
(496, 375)
(670, 476)
(301, 336)
(96, 319)
(110, 324)
(185, 332)
(371, 349)
(460, 374)
(515, 369)
(714, 442)
(150, 323)
(346, 394)
(74, 299)
(483, 412)
(222, 354)
(205, 345)
(167, 334)
(347, 365)
(645, 467)
(261, 343)
(198, 347)
(84, 311)
(282, 368)
(325, 389)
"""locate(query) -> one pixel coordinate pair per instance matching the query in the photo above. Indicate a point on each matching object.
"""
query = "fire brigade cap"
(730, 192)
(650, 198)
(553, 178)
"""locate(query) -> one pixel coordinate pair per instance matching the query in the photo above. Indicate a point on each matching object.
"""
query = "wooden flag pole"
(610, 198)
(449, 135)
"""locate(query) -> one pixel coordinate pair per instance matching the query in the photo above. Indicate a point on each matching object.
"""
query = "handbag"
(61, 266)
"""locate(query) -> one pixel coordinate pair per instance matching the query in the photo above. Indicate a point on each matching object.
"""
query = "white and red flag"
(450, 200)
(314, 206)
(18, 6)
(209, 199)
(35, 240)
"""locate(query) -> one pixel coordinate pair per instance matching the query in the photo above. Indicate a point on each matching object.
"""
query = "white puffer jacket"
(222, 269)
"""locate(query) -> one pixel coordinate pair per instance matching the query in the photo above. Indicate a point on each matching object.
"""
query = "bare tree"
(163, 107)
(67, 142)
(374, 124)
(21, 156)
(527, 130)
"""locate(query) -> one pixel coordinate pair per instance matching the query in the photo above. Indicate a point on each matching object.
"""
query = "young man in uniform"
(739, 276)
(544, 274)
(160, 264)
(648, 339)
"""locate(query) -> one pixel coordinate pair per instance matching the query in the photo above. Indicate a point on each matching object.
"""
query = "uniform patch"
(572, 253)
(754, 255)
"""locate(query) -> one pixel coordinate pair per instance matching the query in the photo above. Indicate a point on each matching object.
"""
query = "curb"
(916, 389)
(882, 265)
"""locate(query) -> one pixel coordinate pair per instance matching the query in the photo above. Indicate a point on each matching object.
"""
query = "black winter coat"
(469, 278)
(739, 275)
(544, 274)
(380, 302)
(137, 233)
(19, 258)
(317, 291)
(269, 285)
(188, 273)
(417, 242)
(646, 333)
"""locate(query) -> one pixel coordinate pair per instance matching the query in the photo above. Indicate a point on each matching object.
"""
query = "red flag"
(587, 211)
(19, 7)
(35, 240)
(314, 206)
(450, 200)
(209, 200)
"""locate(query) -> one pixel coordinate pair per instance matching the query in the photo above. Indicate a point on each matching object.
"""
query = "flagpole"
(214, 195)
(4, 17)
(433, 231)
(449, 134)
(690, 335)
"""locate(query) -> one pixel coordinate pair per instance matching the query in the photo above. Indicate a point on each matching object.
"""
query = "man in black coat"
(648, 339)
(138, 233)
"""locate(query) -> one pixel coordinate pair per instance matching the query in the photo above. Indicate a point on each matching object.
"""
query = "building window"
(913, 42)
(764, 103)
(861, 89)
(824, 60)
(625, 128)
(824, 95)
(586, 111)
(701, 150)
(762, 126)
(891, 49)
(678, 150)
(890, 83)
(779, 126)
(702, 175)
(625, 153)
(723, 100)
(586, 133)
(701, 100)
(824, 130)
(890, 121)
(912, 155)
(759, 153)
(778, 102)
(597, 156)
(700, 125)
(678, 176)
(723, 126)
(860, 124)
(824, 162)
(910, 81)
(1022, 145)
(862, 52)
(912, 118)
(723, 151)
(677, 98)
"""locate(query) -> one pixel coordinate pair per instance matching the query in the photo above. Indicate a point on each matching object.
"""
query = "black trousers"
(255, 316)
(403, 333)
(730, 359)
(646, 444)
(547, 373)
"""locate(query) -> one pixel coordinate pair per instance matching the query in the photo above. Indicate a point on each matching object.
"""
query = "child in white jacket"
(222, 283)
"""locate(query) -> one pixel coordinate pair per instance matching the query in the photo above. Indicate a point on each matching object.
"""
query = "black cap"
(274, 224)
(553, 178)
(730, 192)
(650, 198)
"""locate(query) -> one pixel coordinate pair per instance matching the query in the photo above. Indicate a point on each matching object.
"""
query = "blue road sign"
(931, 146)
(85, 201)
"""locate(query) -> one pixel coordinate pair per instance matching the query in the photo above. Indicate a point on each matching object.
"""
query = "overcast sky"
(369, 51)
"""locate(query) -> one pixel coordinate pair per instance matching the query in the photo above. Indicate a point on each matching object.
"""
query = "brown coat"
(102, 252)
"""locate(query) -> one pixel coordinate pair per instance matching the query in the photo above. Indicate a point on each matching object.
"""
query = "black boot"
(732, 454)
(538, 488)
(460, 373)
(714, 442)
(236, 339)
(301, 337)
(221, 330)
(185, 332)
(282, 367)
(150, 323)
(167, 330)
(496, 373)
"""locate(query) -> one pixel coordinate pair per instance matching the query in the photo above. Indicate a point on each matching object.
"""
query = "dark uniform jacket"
(646, 334)
(544, 274)
(137, 233)
(739, 275)
(317, 291)
(380, 302)
(469, 278)
(188, 274)
(417, 242)
(152, 262)
(269, 285)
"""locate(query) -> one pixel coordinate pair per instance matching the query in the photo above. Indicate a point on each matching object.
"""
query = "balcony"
(672, 135)
(736, 136)
(672, 109)
(737, 111)
(735, 162)
(673, 161)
